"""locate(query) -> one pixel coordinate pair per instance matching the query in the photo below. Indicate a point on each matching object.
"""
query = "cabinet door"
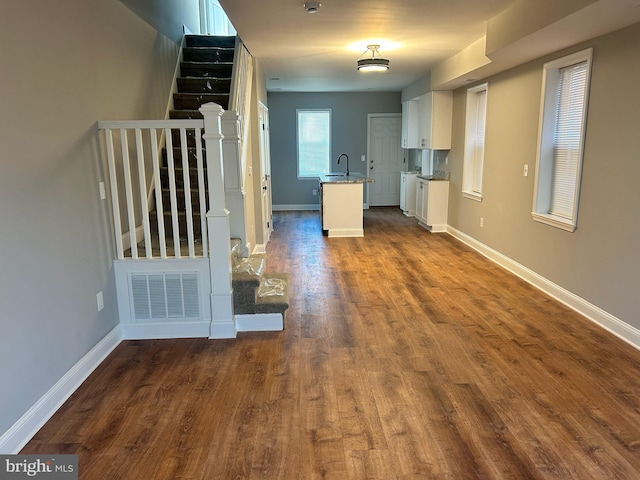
(435, 118)
(436, 205)
(410, 124)
(420, 198)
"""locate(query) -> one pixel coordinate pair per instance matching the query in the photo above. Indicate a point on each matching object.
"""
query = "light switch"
(526, 170)
(363, 158)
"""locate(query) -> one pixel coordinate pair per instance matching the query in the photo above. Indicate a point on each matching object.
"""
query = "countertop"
(342, 178)
(435, 176)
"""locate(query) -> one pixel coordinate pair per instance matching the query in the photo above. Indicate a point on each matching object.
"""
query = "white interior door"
(265, 174)
(385, 158)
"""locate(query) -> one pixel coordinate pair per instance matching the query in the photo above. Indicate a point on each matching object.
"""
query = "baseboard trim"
(219, 330)
(604, 319)
(14, 439)
(158, 330)
(260, 322)
(300, 207)
(345, 232)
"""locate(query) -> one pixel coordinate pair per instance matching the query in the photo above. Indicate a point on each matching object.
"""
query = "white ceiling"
(302, 52)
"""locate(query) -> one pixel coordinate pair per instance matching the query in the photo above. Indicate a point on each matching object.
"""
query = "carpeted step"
(272, 295)
(186, 114)
(193, 101)
(208, 54)
(206, 69)
(204, 85)
(226, 41)
(246, 275)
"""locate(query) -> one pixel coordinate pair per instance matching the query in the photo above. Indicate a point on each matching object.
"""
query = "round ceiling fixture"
(374, 62)
(312, 7)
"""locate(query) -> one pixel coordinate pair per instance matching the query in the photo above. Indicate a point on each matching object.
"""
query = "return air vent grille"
(163, 296)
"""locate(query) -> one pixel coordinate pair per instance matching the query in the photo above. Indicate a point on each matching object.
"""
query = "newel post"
(219, 232)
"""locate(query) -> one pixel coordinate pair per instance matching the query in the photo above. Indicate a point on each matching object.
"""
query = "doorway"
(386, 158)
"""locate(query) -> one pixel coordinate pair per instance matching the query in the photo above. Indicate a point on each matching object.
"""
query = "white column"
(234, 174)
(219, 233)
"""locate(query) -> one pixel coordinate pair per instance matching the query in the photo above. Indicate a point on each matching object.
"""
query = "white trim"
(472, 196)
(294, 207)
(126, 238)
(260, 322)
(155, 330)
(223, 330)
(14, 439)
(345, 232)
(604, 319)
(260, 248)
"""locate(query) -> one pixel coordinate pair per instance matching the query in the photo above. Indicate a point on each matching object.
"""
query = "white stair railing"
(129, 168)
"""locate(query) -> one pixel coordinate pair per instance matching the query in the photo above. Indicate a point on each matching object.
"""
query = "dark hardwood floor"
(406, 355)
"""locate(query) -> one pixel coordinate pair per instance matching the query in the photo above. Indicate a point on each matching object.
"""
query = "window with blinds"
(561, 140)
(314, 142)
(476, 119)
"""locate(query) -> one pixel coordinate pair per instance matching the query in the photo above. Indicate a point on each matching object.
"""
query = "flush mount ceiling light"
(372, 61)
(312, 7)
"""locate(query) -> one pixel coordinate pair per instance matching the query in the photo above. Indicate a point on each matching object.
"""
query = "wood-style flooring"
(406, 355)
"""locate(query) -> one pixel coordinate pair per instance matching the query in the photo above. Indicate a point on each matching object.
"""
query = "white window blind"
(474, 143)
(478, 148)
(314, 142)
(570, 101)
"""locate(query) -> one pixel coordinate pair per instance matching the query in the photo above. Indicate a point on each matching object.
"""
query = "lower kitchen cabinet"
(408, 193)
(432, 202)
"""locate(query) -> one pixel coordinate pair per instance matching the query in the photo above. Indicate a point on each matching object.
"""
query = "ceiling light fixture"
(374, 62)
(312, 7)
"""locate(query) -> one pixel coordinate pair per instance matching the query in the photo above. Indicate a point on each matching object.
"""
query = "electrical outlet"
(315, 191)
(100, 301)
(526, 170)
(363, 158)
(481, 222)
(446, 160)
(103, 191)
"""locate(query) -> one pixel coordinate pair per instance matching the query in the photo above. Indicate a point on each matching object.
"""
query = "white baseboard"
(126, 238)
(604, 319)
(14, 439)
(345, 232)
(157, 330)
(222, 330)
(301, 207)
(260, 322)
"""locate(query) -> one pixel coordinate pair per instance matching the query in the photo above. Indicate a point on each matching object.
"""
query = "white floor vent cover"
(167, 296)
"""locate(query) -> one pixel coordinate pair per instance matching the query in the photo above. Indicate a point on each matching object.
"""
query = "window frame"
(543, 186)
(472, 171)
(305, 175)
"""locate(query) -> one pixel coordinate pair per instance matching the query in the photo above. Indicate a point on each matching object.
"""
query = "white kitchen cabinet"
(410, 124)
(408, 193)
(435, 116)
(432, 203)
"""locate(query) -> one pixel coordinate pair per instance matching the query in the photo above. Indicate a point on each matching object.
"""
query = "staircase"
(205, 76)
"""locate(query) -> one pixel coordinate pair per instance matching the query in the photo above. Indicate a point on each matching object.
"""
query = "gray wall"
(348, 135)
(65, 65)
(600, 261)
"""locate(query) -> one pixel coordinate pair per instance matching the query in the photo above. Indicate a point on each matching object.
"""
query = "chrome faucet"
(347, 157)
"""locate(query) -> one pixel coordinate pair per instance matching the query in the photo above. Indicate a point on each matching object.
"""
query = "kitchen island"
(341, 203)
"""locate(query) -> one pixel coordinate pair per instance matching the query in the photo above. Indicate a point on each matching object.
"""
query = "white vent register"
(164, 296)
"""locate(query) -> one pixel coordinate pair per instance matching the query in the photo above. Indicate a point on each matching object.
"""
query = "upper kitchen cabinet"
(410, 124)
(435, 115)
